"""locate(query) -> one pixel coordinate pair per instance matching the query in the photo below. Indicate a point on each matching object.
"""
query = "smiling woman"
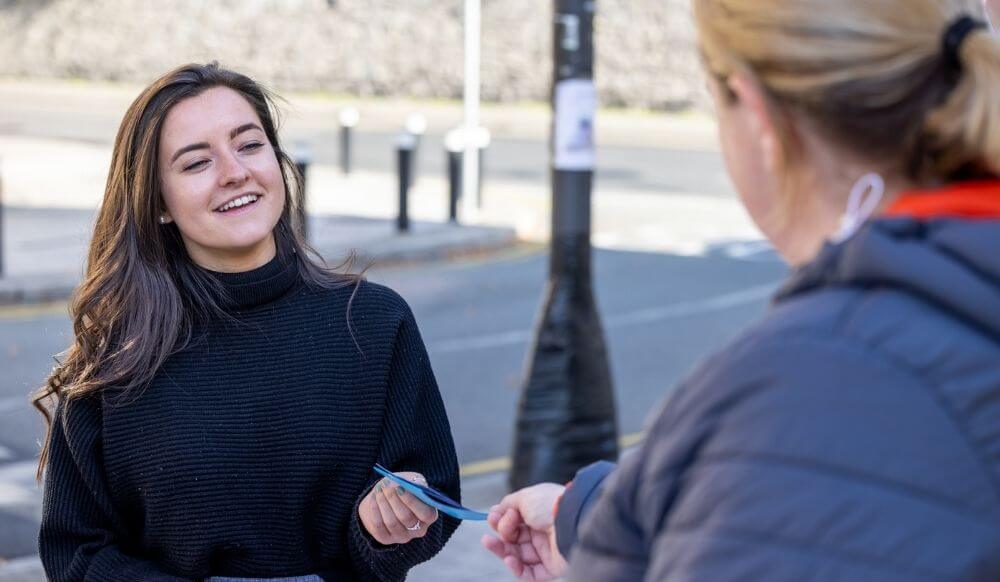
(225, 399)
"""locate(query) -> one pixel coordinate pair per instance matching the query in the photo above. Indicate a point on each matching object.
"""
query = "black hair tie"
(956, 34)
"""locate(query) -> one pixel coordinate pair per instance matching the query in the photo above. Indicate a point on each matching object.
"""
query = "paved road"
(661, 312)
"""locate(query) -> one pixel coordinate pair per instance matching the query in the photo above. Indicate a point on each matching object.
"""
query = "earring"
(163, 219)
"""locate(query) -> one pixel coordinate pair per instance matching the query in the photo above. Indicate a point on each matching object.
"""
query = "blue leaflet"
(432, 497)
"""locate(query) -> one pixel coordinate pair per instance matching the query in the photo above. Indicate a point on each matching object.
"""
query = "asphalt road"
(661, 313)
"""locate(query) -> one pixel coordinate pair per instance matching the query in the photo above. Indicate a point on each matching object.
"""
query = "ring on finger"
(415, 526)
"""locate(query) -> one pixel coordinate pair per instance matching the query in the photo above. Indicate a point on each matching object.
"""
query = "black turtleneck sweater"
(249, 452)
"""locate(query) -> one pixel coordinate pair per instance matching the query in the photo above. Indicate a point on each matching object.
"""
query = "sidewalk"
(45, 248)
(462, 560)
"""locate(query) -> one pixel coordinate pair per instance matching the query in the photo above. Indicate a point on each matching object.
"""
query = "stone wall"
(359, 47)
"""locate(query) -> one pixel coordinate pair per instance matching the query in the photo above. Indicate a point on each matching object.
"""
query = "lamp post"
(566, 415)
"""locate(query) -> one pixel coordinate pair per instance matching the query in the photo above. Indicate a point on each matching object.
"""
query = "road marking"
(483, 342)
(687, 308)
(484, 467)
(642, 316)
(478, 468)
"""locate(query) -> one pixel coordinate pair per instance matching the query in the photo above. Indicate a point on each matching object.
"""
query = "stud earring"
(163, 219)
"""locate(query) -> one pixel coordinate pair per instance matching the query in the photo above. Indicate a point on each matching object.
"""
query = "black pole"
(404, 160)
(349, 117)
(302, 159)
(566, 416)
(454, 183)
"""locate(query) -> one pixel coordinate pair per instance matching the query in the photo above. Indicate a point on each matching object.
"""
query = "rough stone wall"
(361, 47)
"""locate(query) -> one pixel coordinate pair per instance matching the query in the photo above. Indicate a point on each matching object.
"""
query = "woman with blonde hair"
(853, 433)
(226, 397)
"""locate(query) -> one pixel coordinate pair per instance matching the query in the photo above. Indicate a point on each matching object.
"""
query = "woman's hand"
(525, 523)
(392, 516)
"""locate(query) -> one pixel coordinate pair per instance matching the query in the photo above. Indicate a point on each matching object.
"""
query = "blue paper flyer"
(432, 497)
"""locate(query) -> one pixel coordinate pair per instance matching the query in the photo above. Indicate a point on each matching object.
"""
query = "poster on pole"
(575, 105)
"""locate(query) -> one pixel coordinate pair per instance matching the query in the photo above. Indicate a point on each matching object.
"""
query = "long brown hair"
(141, 292)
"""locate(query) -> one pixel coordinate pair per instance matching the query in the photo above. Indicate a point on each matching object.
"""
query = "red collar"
(975, 200)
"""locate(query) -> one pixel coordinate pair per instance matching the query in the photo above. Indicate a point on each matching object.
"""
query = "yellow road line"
(484, 467)
(34, 310)
(503, 463)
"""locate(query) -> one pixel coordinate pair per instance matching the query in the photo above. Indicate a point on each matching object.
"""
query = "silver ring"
(415, 527)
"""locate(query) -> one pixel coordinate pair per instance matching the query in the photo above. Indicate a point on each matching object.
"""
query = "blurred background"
(377, 105)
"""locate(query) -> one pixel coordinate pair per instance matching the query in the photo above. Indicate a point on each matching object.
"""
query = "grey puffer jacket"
(853, 434)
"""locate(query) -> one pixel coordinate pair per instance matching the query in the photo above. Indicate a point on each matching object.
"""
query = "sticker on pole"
(575, 104)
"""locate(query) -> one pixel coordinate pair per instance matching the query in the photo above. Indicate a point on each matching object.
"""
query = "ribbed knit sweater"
(249, 452)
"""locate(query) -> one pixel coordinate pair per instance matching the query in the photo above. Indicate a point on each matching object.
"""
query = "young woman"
(854, 433)
(226, 397)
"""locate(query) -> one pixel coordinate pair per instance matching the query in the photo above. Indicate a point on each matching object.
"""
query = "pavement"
(45, 249)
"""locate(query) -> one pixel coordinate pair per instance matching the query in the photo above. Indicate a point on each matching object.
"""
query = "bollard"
(302, 154)
(405, 145)
(349, 118)
(453, 147)
(416, 125)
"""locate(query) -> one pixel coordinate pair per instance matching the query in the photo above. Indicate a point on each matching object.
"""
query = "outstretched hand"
(525, 524)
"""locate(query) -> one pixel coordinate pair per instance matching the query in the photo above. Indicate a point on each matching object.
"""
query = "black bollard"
(302, 157)
(453, 150)
(416, 125)
(405, 145)
(349, 118)
(566, 416)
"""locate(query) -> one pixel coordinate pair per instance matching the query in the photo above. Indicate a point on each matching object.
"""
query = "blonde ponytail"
(871, 75)
(966, 129)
